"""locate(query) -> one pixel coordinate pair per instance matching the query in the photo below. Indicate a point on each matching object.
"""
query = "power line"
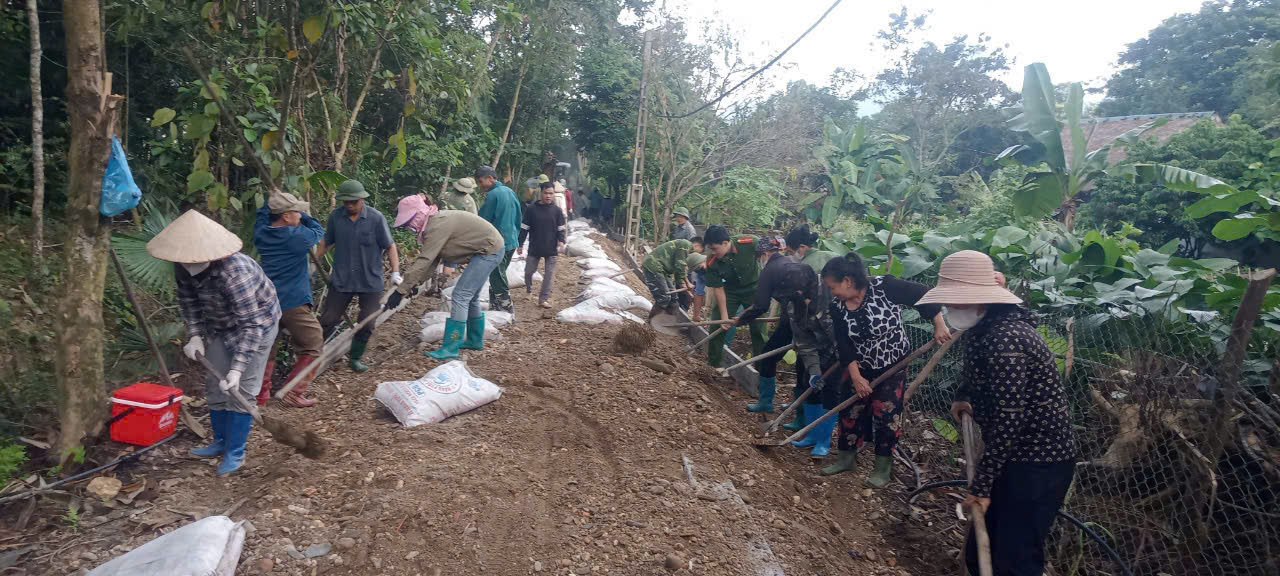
(758, 71)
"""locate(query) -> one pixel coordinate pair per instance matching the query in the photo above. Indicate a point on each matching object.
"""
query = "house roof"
(1099, 132)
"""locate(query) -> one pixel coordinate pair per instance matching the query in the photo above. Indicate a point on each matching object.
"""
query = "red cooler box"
(144, 413)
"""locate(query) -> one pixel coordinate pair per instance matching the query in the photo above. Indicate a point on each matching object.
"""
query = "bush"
(12, 457)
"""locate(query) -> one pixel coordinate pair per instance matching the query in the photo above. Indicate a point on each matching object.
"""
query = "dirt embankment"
(580, 467)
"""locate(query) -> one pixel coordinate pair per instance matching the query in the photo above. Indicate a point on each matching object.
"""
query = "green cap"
(543, 178)
(351, 190)
(695, 259)
(681, 212)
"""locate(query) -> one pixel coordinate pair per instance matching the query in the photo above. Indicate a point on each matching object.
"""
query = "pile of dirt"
(633, 339)
(590, 463)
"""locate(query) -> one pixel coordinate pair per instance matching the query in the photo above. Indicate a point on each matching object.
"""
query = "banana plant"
(1056, 186)
(854, 160)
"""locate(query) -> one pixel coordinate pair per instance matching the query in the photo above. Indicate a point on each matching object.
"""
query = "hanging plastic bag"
(119, 192)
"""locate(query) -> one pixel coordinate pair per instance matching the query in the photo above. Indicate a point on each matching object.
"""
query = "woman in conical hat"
(1011, 388)
(232, 314)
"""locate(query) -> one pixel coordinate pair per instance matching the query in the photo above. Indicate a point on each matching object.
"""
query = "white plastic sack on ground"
(446, 295)
(594, 263)
(515, 274)
(435, 332)
(606, 285)
(588, 312)
(445, 391)
(207, 547)
(573, 237)
(585, 248)
(622, 302)
(432, 318)
(579, 224)
(497, 318)
(591, 273)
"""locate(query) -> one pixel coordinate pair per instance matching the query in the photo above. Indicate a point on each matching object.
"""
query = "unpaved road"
(578, 468)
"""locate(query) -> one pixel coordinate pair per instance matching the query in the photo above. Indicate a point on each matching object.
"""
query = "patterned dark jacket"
(1011, 379)
(872, 334)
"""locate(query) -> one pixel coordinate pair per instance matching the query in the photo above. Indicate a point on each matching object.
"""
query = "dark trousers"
(499, 289)
(1024, 501)
(877, 419)
(659, 286)
(335, 305)
(780, 337)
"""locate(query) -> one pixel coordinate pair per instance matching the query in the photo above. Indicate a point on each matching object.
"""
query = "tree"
(91, 115)
(37, 135)
(937, 94)
(1187, 63)
(602, 112)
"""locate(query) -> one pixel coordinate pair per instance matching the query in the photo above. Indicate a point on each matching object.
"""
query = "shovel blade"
(663, 323)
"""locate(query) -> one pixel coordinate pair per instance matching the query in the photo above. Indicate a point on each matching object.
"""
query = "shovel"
(768, 427)
(337, 346)
(307, 443)
(976, 516)
(699, 343)
(770, 354)
(902, 364)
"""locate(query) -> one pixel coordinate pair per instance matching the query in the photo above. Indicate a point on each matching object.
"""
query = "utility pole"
(635, 195)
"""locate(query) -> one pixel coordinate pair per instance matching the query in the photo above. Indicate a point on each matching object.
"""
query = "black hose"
(117, 461)
(1111, 552)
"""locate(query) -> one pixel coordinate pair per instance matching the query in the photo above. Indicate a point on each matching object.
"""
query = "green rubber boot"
(357, 351)
(453, 333)
(475, 334)
(767, 387)
(845, 462)
(797, 422)
(879, 478)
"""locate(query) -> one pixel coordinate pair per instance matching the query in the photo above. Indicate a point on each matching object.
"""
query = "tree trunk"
(364, 90)
(511, 116)
(37, 137)
(78, 325)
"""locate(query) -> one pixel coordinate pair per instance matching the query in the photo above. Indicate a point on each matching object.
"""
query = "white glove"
(195, 345)
(231, 381)
(396, 278)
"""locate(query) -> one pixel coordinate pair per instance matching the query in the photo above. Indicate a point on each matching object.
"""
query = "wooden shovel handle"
(233, 393)
(771, 426)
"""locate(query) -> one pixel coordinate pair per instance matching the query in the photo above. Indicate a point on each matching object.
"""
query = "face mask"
(196, 268)
(964, 319)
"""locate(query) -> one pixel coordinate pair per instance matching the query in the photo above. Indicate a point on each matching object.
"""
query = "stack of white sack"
(446, 297)
(515, 273)
(593, 263)
(584, 248)
(605, 287)
(432, 324)
(594, 311)
(579, 225)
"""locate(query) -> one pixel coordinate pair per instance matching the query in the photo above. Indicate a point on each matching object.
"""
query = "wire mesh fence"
(1170, 488)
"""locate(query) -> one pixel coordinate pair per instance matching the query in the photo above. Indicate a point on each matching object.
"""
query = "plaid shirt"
(232, 299)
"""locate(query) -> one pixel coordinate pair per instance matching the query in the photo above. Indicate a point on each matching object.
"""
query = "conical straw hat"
(968, 277)
(193, 238)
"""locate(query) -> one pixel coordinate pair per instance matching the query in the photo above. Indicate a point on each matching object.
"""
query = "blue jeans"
(466, 303)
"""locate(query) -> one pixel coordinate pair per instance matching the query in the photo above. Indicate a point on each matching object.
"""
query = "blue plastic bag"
(119, 192)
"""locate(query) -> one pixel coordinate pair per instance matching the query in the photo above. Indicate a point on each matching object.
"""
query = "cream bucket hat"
(968, 277)
(193, 238)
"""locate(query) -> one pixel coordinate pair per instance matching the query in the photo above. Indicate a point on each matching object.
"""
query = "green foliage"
(12, 457)
(745, 198)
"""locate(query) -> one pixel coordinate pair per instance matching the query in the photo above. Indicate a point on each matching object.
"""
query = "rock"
(293, 552)
(607, 369)
(298, 510)
(711, 429)
(565, 563)
(265, 565)
(795, 500)
(537, 566)
(411, 555)
(673, 562)
(377, 563)
(874, 515)
(866, 493)
(104, 488)
(346, 543)
(871, 555)
(656, 489)
(318, 549)
(88, 556)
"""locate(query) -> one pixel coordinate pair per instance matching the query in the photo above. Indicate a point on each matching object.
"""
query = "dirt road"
(579, 468)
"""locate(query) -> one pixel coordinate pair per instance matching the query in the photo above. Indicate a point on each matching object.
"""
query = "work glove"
(194, 346)
(393, 300)
(816, 382)
(231, 381)
(396, 279)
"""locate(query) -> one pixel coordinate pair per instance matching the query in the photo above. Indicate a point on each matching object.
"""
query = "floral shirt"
(872, 334)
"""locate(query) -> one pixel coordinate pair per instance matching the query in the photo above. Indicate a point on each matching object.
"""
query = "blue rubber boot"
(218, 423)
(768, 387)
(822, 434)
(812, 410)
(453, 334)
(475, 334)
(238, 425)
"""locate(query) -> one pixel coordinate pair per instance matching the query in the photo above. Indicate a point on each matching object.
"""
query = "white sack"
(610, 284)
(207, 547)
(588, 312)
(594, 263)
(433, 318)
(585, 248)
(497, 318)
(579, 224)
(435, 332)
(600, 273)
(446, 295)
(515, 274)
(447, 390)
(618, 302)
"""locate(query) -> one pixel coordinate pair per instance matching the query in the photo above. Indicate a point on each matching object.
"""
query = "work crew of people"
(844, 323)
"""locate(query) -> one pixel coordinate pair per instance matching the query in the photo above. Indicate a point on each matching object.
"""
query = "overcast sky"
(1078, 40)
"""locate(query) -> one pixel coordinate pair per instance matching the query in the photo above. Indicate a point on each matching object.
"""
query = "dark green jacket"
(738, 271)
(669, 259)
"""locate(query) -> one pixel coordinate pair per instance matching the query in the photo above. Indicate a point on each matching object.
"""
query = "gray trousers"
(215, 349)
(548, 272)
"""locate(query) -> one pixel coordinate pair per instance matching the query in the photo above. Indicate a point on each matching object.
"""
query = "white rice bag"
(618, 302)
(594, 263)
(599, 273)
(497, 318)
(446, 298)
(584, 248)
(447, 390)
(435, 332)
(588, 312)
(207, 547)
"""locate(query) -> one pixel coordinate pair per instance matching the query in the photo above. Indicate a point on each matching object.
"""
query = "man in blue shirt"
(358, 235)
(284, 234)
(502, 209)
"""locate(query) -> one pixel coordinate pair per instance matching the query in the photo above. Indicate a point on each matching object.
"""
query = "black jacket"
(544, 226)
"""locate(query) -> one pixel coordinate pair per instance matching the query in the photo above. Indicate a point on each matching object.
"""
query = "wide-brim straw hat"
(193, 238)
(968, 277)
(465, 185)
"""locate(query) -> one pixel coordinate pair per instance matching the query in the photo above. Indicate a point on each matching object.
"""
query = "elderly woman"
(1012, 390)
(866, 320)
